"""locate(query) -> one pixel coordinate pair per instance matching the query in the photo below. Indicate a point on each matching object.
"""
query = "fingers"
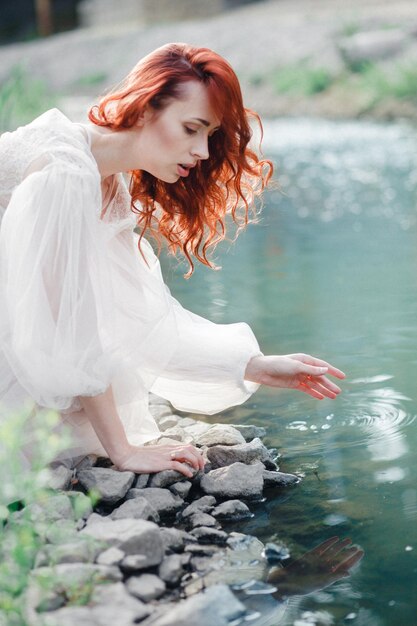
(188, 455)
(307, 359)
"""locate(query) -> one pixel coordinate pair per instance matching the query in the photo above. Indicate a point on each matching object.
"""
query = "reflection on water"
(332, 270)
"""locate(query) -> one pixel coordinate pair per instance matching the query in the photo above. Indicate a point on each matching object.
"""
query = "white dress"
(81, 310)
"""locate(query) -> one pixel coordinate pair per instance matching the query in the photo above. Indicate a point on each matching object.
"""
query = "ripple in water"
(373, 417)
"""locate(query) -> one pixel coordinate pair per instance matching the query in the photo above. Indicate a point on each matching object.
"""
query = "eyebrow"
(204, 122)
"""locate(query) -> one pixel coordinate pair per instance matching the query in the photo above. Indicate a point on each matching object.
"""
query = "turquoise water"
(331, 269)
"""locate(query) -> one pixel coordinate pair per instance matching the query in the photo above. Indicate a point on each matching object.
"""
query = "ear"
(146, 115)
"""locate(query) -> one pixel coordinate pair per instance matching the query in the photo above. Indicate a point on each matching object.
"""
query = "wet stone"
(232, 510)
(235, 481)
(279, 479)
(204, 534)
(201, 550)
(202, 519)
(250, 431)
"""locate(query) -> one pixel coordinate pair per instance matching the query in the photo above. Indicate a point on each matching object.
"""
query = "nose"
(200, 148)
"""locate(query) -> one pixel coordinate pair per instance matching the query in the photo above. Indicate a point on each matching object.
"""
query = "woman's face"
(175, 139)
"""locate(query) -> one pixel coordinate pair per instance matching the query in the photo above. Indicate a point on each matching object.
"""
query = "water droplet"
(408, 548)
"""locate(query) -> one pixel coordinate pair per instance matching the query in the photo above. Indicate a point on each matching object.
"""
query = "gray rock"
(232, 510)
(181, 489)
(80, 551)
(158, 411)
(220, 434)
(235, 481)
(196, 429)
(131, 536)
(141, 481)
(86, 462)
(175, 540)
(201, 519)
(171, 569)
(55, 508)
(137, 508)
(204, 534)
(201, 550)
(164, 479)
(113, 604)
(110, 484)
(111, 556)
(250, 431)
(60, 477)
(146, 587)
(67, 616)
(97, 518)
(61, 531)
(136, 562)
(215, 607)
(279, 479)
(201, 505)
(162, 500)
(170, 421)
(220, 456)
(178, 434)
(372, 45)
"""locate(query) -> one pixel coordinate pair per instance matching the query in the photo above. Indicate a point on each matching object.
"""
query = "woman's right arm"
(102, 413)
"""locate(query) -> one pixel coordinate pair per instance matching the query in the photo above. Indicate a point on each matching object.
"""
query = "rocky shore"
(155, 549)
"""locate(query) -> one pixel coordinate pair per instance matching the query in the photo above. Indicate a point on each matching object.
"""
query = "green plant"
(301, 78)
(22, 98)
(19, 488)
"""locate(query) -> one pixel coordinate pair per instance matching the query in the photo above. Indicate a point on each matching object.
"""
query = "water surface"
(331, 269)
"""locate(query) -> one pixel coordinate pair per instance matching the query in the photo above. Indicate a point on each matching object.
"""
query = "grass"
(302, 79)
(22, 98)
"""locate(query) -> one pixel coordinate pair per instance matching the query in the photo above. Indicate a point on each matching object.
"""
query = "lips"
(184, 168)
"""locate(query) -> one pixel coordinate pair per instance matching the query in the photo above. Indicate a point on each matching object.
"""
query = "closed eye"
(189, 131)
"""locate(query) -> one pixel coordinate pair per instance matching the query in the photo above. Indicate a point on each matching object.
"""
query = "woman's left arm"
(295, 371)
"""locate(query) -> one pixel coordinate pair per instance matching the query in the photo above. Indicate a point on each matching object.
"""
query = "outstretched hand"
(183, 458)
(295, 371)
(325, 564)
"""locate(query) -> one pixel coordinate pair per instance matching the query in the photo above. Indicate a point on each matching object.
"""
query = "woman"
(87, 325)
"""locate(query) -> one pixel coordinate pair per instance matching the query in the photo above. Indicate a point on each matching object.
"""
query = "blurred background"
(330, 269)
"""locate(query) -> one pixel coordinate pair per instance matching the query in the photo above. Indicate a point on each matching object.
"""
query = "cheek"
(169, 139)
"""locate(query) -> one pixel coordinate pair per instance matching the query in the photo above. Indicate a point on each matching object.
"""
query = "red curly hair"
(193, 215)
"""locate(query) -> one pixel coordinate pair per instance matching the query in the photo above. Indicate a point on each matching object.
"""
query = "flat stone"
(197, 429)
(279, 479)
(166, 478)
(171, 569)
(204, 534)
(111, 485)
(235, 481)
(220, 434)
(201, 550)
(162, 500)
(205, 504)
(250, 431)
(220, 456)
(137, 508)
(135, 563)
(232, 510)
(146, 587)
(178, 434)
(202, 519)
(216, 606)
(131, 536)
(181, 489)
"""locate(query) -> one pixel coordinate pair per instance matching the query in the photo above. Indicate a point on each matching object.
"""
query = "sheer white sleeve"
(54, 285)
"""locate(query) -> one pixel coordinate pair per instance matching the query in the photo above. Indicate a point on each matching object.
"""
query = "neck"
(110, 149)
